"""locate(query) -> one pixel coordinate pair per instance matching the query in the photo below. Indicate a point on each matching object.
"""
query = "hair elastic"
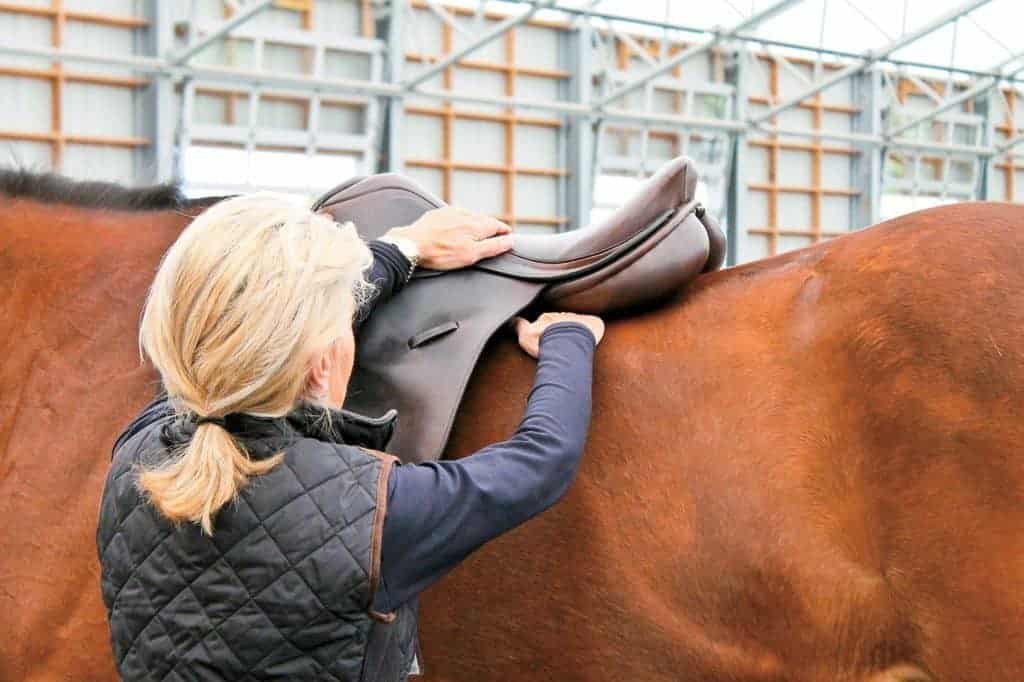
(219, 421)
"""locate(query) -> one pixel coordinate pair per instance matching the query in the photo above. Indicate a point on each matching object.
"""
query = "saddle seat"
(667, 192)
(417, 351)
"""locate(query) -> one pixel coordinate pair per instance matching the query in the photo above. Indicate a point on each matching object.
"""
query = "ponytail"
(240, 303)
(207, 474)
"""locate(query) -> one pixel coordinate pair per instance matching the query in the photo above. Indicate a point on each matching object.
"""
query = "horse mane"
(53, 188)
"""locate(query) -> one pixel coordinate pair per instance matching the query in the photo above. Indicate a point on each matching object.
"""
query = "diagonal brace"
(250, 10)
(1008, 145)
(870, 58)
(495, 33)
(979, 88)
(749, 23)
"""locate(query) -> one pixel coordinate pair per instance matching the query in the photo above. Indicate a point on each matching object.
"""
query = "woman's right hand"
(449, 238)
(530, 332)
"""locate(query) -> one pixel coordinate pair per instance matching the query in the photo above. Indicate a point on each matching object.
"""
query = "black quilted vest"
(282, 589)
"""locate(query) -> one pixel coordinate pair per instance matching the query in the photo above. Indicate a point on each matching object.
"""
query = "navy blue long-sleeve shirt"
(440, 512)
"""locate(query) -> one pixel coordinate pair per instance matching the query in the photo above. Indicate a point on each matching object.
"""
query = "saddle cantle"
(417, 352)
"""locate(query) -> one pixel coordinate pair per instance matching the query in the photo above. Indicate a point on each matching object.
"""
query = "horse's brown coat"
(806, 468)
(71, 292)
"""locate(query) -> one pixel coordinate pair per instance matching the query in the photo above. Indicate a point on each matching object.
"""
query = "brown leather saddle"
(417, 352)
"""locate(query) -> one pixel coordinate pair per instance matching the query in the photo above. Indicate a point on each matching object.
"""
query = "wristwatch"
(408, 249)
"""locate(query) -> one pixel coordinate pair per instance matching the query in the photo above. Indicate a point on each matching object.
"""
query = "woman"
(248, 528)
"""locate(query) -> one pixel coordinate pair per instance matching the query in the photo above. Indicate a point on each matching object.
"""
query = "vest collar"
(306, 420)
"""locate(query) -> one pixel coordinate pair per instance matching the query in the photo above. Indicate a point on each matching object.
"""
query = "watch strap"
(407, 248)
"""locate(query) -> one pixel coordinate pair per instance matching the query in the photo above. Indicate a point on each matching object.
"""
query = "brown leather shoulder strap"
(387, 462)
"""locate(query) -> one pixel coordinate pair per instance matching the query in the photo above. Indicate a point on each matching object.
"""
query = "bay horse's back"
(808, 468)
(74, 280)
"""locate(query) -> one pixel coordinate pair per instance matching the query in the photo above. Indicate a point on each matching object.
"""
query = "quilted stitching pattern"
(280, 591)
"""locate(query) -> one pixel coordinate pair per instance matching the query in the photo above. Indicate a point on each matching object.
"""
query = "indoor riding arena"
(512, 340)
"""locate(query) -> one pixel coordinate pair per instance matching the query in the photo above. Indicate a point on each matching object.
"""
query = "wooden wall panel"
(802, 187)
(501, 160)
(84, 118)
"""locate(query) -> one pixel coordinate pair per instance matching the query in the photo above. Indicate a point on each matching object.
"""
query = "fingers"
(528, 337)
(487, 226)
(488, 248)
(593, 323)
(521, 326)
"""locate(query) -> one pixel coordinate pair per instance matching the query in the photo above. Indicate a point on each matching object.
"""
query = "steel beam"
(248, 12)
(1001, 149)
(875, 140)
(582, 13)
(866, 167)
(495, 33)
(256, 78)
(349, 86)
(445, 16)
(155, 115)
(979, 88)
(665, 67)
(986, 164)
(736, 214)
(870, 57)
(393, 155)
(580, 149)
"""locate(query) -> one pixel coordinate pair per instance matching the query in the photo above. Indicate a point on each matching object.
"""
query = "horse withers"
(806, 468)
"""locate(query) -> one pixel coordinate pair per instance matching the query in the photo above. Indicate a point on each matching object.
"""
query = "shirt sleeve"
(387, 274)
(440, 512)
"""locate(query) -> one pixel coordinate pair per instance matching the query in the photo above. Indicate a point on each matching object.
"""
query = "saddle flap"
(417, 357)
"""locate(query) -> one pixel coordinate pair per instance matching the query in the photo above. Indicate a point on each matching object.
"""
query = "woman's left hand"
(448, 238)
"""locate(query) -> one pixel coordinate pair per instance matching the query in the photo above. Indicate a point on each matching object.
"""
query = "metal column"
(986, 106)
(392, 160)
(155, 115)
(736, 218)
(579, 130)
(866, 167)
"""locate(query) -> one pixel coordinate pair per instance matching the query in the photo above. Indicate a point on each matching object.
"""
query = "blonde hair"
(240, 302)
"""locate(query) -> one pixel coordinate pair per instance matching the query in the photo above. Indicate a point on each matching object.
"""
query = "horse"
(805, 468)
